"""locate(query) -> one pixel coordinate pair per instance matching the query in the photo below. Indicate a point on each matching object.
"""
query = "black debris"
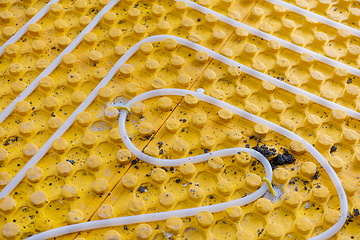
(333, 149)
(70, 161)
(141, 189)
(281, 159)
(356, 212)
(264, 150)
(316, 176)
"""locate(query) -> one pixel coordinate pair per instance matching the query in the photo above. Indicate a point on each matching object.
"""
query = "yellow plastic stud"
(60, 25)
(187, 169)
(64, 168)
(292, 200)
(60, 145)
(225, 187)
(123, 156)
(26, 128)
(143, 231)
(5, 178)
(205, 219)
(15, 69)
(209, 76)
(69, 60)
(308, 169)
(10, 230)
(215, 164)
(183, 79)
(105, 211)
(134, 14)
(174, 225)
(253, 180)
(179, 146)
(3, 155)
(170, 44)
(158, 175)
(99, 186)
(69, 191)
(177, 62)
(263, 205)
(30, 149)
(234, 212)
(88, 140)
(7, 205)
(207, 141)
(218, 35)
(83, 119)
(129, 181)
(166, 199)
(75, 216)
(84, 20)
(112, 235)
(30, 12)
(136, 205)
(281, 175)
(34, 174)
(63, 41)
(303, 224)
(12, 50)
(244, 235)
(38, 198)
(94, 162)
(320, 192)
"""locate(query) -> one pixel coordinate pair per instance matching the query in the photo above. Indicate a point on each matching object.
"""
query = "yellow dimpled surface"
(63, 160)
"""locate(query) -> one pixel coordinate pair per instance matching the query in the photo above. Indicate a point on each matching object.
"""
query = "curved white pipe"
(25, 28)
(33, 85)
(205, 98)
(315, 16)
(195, 159)
(6, 112)
(42, 151)
(178, 213)
(269, 37)
(342, 196)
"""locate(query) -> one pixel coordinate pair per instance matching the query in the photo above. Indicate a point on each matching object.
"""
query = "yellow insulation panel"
(88, 174)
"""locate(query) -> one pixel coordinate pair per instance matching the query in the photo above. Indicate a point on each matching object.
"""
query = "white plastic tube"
(205, 98)
(165, 215)
(195, 159)
(315, 16)
(24, 28)
(269, 37)
(178, 213)
(33, 85)
(71, 119)
(43, 150)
